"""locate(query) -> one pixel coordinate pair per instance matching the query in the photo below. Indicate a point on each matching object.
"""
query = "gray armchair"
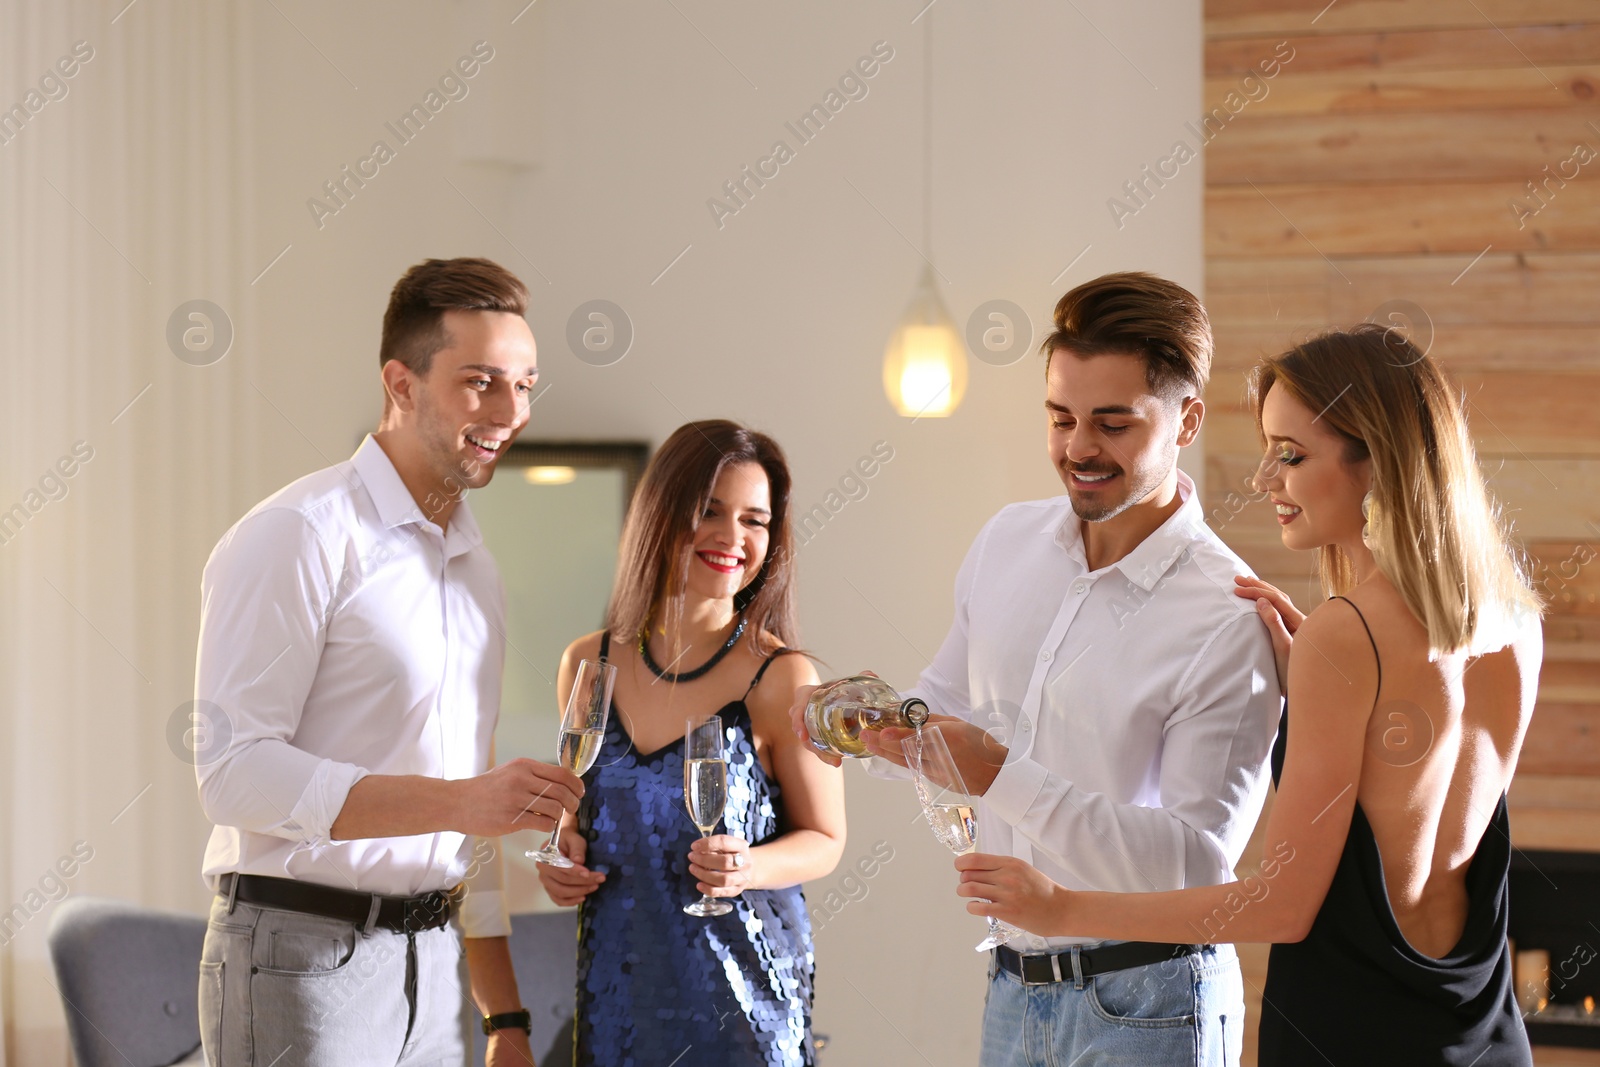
(129, 980)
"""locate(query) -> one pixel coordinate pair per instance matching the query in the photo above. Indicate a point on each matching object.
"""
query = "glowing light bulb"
(925, 364)
(549, 475)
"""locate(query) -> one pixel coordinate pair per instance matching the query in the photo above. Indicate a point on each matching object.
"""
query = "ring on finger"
(738, 860)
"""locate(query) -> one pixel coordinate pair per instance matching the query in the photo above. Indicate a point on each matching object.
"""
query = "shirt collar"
(464, 533)
(397, 507)
(1152, 557)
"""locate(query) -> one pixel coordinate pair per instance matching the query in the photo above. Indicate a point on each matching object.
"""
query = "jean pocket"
(1143, 997)
(309, 952)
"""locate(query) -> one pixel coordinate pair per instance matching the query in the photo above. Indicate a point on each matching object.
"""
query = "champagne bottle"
(838, 711)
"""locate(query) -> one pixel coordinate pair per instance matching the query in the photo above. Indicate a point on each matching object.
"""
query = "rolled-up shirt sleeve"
(1213, 771)
(266, 594)
(485, 911)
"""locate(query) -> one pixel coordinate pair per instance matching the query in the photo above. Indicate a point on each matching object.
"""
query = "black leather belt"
(405, 915)
(1100, 959)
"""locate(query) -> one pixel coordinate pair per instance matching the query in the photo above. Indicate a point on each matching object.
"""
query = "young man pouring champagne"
(1106, 695)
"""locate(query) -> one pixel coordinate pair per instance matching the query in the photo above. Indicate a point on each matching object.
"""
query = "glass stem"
(705, 898)
(555, 836)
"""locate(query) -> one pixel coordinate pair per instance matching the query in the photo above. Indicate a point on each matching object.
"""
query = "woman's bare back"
(1442, 745)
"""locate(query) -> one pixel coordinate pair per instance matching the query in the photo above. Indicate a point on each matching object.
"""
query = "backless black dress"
(1354, 992)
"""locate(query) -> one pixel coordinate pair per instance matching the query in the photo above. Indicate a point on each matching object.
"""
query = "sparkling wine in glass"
(950, 810)
(705, 792)
(583, 731)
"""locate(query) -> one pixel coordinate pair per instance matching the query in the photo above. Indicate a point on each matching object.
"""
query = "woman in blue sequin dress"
(701, 624)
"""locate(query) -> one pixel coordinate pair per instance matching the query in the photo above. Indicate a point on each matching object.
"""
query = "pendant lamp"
(925, 364)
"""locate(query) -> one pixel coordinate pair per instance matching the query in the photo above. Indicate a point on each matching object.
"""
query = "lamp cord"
(927, 135)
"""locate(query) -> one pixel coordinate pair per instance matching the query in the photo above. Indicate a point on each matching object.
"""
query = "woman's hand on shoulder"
(1278, 614)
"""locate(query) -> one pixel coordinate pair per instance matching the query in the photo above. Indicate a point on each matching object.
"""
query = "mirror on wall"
(552, 517)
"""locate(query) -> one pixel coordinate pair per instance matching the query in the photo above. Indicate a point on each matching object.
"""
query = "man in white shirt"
(1107, 694)
(351, 642)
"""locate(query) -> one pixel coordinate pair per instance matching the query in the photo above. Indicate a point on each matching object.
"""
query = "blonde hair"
(1435, 532)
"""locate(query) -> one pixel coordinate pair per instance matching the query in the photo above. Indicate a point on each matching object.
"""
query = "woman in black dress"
(1383, 882)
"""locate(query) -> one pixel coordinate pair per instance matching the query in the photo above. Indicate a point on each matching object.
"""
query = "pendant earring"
(1366, 521)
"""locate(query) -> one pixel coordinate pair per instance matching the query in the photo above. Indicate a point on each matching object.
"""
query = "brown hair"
(653, 560)
(413, 325)
(1138, 314)
(1436, 533)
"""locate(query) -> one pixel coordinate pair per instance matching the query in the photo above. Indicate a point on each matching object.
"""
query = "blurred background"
(200, 235)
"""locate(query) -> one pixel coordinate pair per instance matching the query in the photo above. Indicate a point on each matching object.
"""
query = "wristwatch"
(520, 1019)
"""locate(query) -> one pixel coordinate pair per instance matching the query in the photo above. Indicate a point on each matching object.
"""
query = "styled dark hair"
(1138, 314)
(413, 325)
(673, 493)
(1436, 533)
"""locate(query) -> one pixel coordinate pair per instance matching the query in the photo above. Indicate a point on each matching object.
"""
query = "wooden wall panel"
(1570, 636)
(1382, 173)
(1562, 740)
(1529, 414)
(1522, 349)
(1476, 47)
(1420, 216)
(1501, 288)
(1362, 92)
(1470, 146)
(1554, 499)
(1227, 18)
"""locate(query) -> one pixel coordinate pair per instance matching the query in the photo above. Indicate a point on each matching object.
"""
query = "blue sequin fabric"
(656, 986)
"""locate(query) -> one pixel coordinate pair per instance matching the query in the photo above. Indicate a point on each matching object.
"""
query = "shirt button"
(1046, 655)
(1027, 727)
(1079, 588)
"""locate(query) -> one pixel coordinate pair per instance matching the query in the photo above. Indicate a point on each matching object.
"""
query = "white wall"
(582, 158)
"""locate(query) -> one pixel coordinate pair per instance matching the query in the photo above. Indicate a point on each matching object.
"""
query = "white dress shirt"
(343, 634)
(1139, 701)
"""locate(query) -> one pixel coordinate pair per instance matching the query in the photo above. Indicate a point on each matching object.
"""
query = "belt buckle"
(424, 912)
(414, 915)
(1055, 970)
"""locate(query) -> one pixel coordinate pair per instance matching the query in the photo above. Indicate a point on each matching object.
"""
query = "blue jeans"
(1188, 1012)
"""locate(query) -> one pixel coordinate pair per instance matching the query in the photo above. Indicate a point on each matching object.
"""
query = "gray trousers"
(281, 989)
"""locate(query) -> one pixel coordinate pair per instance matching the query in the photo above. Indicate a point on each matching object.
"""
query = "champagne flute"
(705, 792)
(583, 732)
(949, 808)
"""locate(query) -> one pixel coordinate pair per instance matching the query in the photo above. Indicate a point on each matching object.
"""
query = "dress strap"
(757, 679)
(605, 644)
(1374, 644)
